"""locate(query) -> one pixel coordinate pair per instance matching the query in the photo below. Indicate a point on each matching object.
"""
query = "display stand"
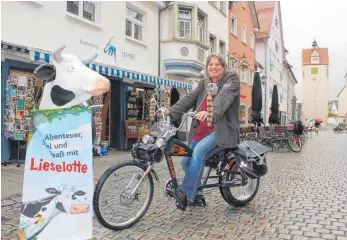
(20, 97)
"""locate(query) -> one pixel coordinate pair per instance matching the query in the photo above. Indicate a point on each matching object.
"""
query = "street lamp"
(263, 82)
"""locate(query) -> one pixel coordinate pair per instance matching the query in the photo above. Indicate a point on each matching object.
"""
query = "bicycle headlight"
(147, 139)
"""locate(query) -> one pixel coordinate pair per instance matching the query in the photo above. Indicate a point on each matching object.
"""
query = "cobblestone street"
(303, 196)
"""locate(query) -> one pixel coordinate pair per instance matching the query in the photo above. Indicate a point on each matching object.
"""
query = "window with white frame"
(185, 23)
(244, 34)
(201, 55)
(134, 24)
(244, 74)
(234, 25)
(83, 9)
(251, 76)
(251, 41)
(222, 48)
(212, 44)
(201, 27)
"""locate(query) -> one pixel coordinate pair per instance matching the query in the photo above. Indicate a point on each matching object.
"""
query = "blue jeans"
(194, 166)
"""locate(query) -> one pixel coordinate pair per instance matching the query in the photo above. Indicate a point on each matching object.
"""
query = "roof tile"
(323, 55)
(265, 11)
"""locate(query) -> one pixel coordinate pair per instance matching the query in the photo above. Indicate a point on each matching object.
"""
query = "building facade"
(342, 102)
(271, 54)
(243, 24)
(189, 32)
(315, 83)
(291, 103)
(125, 35)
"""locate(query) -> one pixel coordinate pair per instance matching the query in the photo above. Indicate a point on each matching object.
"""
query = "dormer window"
(315, 57)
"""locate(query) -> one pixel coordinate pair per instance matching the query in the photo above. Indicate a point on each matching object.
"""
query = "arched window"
(243, 114)
(250, 114)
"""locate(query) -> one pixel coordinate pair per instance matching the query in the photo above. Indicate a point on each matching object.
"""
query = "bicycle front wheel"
(295, 143)
(117, 206)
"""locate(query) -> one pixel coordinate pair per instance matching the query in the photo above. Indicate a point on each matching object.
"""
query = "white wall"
(315, 89)
(276, 57)
(49, 26)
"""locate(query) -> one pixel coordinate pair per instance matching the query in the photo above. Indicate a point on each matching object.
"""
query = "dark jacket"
(226, 108)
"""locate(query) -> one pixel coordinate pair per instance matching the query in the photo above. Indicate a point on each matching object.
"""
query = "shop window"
(134, 24)
(83, 9)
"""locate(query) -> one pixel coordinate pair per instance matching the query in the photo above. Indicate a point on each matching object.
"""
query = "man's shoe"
(180, 198)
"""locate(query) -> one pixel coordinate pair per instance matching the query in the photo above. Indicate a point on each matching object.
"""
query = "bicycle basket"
(159, 128)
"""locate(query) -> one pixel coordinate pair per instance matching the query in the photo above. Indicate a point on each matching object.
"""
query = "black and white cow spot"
(61, 96)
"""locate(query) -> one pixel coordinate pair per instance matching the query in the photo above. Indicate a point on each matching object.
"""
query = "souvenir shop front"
(127, 100)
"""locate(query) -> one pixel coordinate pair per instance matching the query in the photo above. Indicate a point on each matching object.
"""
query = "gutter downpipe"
(167, 4)
(266, 83)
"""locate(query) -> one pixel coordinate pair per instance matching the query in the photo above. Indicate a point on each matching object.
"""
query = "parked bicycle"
(122, 206)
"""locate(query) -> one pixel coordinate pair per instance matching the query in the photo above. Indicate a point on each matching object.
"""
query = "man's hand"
(201, 116)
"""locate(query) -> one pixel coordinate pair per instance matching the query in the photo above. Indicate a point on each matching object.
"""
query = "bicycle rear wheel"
(116, 208)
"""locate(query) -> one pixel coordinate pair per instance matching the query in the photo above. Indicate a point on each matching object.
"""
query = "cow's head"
(69, 200)
(68, 81)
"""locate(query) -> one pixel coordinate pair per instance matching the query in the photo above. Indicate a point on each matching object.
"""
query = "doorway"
(175, 96)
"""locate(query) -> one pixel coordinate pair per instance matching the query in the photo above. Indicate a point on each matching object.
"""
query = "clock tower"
(315, 83)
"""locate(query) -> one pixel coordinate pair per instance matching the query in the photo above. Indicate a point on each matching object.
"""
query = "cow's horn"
(90, 59)
(57, 54)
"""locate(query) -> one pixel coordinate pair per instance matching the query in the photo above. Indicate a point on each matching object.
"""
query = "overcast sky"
(326, 21)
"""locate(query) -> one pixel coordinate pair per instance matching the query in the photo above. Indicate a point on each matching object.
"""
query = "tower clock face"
(314, 70)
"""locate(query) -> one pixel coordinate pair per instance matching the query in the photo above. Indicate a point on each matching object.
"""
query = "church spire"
(314, 43)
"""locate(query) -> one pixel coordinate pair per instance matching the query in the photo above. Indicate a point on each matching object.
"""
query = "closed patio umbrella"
(257, 101)
(274, 118)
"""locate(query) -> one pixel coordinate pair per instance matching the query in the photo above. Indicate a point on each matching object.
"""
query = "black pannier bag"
(298, 127)
(255, 155)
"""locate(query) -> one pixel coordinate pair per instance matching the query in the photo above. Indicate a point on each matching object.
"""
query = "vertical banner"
(58, 178)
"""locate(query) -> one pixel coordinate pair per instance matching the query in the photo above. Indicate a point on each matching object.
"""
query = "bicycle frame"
(168, 153)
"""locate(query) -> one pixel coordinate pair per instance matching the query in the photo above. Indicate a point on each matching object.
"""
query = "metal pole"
(18, 163)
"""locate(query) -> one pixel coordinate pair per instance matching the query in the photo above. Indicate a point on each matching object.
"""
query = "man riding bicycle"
(224, 132)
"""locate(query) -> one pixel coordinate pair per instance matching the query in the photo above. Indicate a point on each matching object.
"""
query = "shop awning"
(39, 55)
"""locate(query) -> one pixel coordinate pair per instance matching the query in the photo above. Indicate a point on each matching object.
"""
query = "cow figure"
(69, 82)
(36, 215)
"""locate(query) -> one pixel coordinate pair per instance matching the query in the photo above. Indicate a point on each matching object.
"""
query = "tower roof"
(323, 55)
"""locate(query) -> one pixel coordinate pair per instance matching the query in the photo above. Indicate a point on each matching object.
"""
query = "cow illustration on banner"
(58, 175)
